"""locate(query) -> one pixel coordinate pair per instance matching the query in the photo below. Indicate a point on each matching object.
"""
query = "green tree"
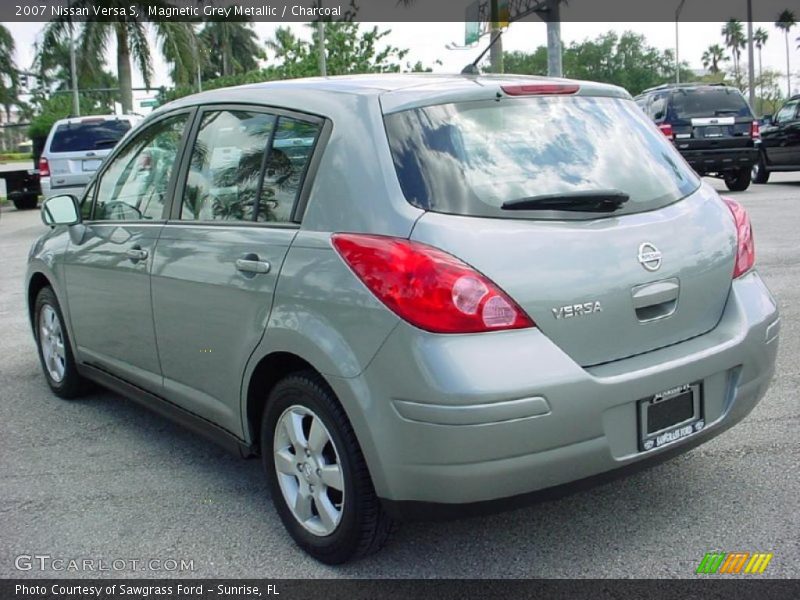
(348, 49)
(51, 66)
(9, 77)
(130, 35)
(712, 57)
(733, 32)
(625, 60)
(785, 22)
(760, 38)
(232, 48)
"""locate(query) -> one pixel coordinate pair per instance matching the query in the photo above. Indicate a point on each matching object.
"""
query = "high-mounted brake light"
(540, 89)
(44, 168)
(755, 130)
(666, 129)
(745, 246)
(427, 287)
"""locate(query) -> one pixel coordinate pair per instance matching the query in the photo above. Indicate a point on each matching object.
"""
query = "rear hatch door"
(603, 285)
(710, 118)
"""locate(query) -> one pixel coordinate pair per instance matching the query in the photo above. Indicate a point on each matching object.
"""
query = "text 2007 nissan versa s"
(410, 295)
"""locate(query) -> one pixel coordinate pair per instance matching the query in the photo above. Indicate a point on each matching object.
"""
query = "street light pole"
(677, 47)
(751, 76)
(554, 66)
(76, 100)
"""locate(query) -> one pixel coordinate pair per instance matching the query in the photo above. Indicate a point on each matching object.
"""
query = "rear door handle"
(252, 265)
(136, 254)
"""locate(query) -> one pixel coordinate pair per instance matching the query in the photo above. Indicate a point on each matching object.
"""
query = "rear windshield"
(469, 158)
(708, 102)
(92, 135)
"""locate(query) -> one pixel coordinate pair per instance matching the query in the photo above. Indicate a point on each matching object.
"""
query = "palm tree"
(232, 46)
(760, 38)
(131, 40)
(733, 32)
(9, 77)
(786, 20)
(712, 57)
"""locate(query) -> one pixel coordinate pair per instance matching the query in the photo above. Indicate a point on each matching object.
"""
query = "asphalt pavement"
(103, 479)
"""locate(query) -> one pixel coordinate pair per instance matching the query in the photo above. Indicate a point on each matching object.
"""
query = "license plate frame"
(712, 131)
(91, 164)
(670, 416)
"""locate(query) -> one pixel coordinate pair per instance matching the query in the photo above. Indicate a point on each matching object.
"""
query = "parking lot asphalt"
(104, 479)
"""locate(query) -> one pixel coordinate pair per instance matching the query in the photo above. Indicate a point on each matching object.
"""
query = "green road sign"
(147, 103)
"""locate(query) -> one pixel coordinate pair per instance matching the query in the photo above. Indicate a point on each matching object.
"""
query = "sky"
(427, 42)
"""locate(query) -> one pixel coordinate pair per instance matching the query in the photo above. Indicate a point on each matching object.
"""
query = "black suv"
(780, 143)
(711, 125)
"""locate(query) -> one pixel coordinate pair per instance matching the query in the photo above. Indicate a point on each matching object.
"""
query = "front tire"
(737, 181)
(759, 173)
(55, 352)
(316, 473)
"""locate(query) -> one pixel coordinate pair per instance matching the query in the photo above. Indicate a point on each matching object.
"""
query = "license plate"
(712, 132)
(92, 164)
(670, 416)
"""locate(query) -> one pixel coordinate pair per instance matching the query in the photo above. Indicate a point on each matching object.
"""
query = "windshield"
(708, 102)
(470, 158)
(95, 135)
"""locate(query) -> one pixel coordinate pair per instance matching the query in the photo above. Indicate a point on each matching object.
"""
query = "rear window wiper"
(579, 201)
(726, 111)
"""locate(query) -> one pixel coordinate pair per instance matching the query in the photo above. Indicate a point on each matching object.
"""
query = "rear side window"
(88, 135)
(247, 166)
(707, 102)
(469, 158)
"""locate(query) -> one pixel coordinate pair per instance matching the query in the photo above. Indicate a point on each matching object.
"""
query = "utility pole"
(677, 45)
(496, 51)
(76, 101)
(554, 68)
(751, 77)
(322, 59)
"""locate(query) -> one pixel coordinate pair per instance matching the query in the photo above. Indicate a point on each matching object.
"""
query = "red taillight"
(539, 89)
(44, 168)
(427, 287)
(745, 246)
(666, 129)
(755, 130)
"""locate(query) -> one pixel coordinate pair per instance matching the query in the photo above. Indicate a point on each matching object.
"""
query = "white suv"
(75, 148)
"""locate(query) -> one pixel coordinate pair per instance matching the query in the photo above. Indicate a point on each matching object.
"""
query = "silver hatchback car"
(411, 296)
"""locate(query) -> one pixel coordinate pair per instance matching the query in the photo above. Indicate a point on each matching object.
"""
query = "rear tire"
(759, 173)
(332, 525)
(737, 181)
(26, 201)
(55, 352)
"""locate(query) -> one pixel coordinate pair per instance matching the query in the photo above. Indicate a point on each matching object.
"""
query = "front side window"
(246, 166)
(134, 186)
(471, 158)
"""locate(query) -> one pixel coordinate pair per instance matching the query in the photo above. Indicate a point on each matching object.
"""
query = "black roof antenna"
(472, 68)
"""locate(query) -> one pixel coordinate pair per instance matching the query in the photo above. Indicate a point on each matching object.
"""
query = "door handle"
(136, 254)
(247, 265)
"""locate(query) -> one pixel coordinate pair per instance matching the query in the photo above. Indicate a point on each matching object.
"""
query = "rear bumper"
(48, 190)
(463, 424)
(712, 161)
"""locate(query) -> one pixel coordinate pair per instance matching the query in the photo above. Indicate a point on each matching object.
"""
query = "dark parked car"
(711, 125)
(780, 142)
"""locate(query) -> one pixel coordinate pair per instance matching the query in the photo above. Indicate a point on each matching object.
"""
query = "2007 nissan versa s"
(410, 295)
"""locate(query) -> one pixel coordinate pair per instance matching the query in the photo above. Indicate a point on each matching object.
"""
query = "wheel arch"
(269, 370)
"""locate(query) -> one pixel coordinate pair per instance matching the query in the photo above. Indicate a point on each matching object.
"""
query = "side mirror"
(767, 120)
(61, 210)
